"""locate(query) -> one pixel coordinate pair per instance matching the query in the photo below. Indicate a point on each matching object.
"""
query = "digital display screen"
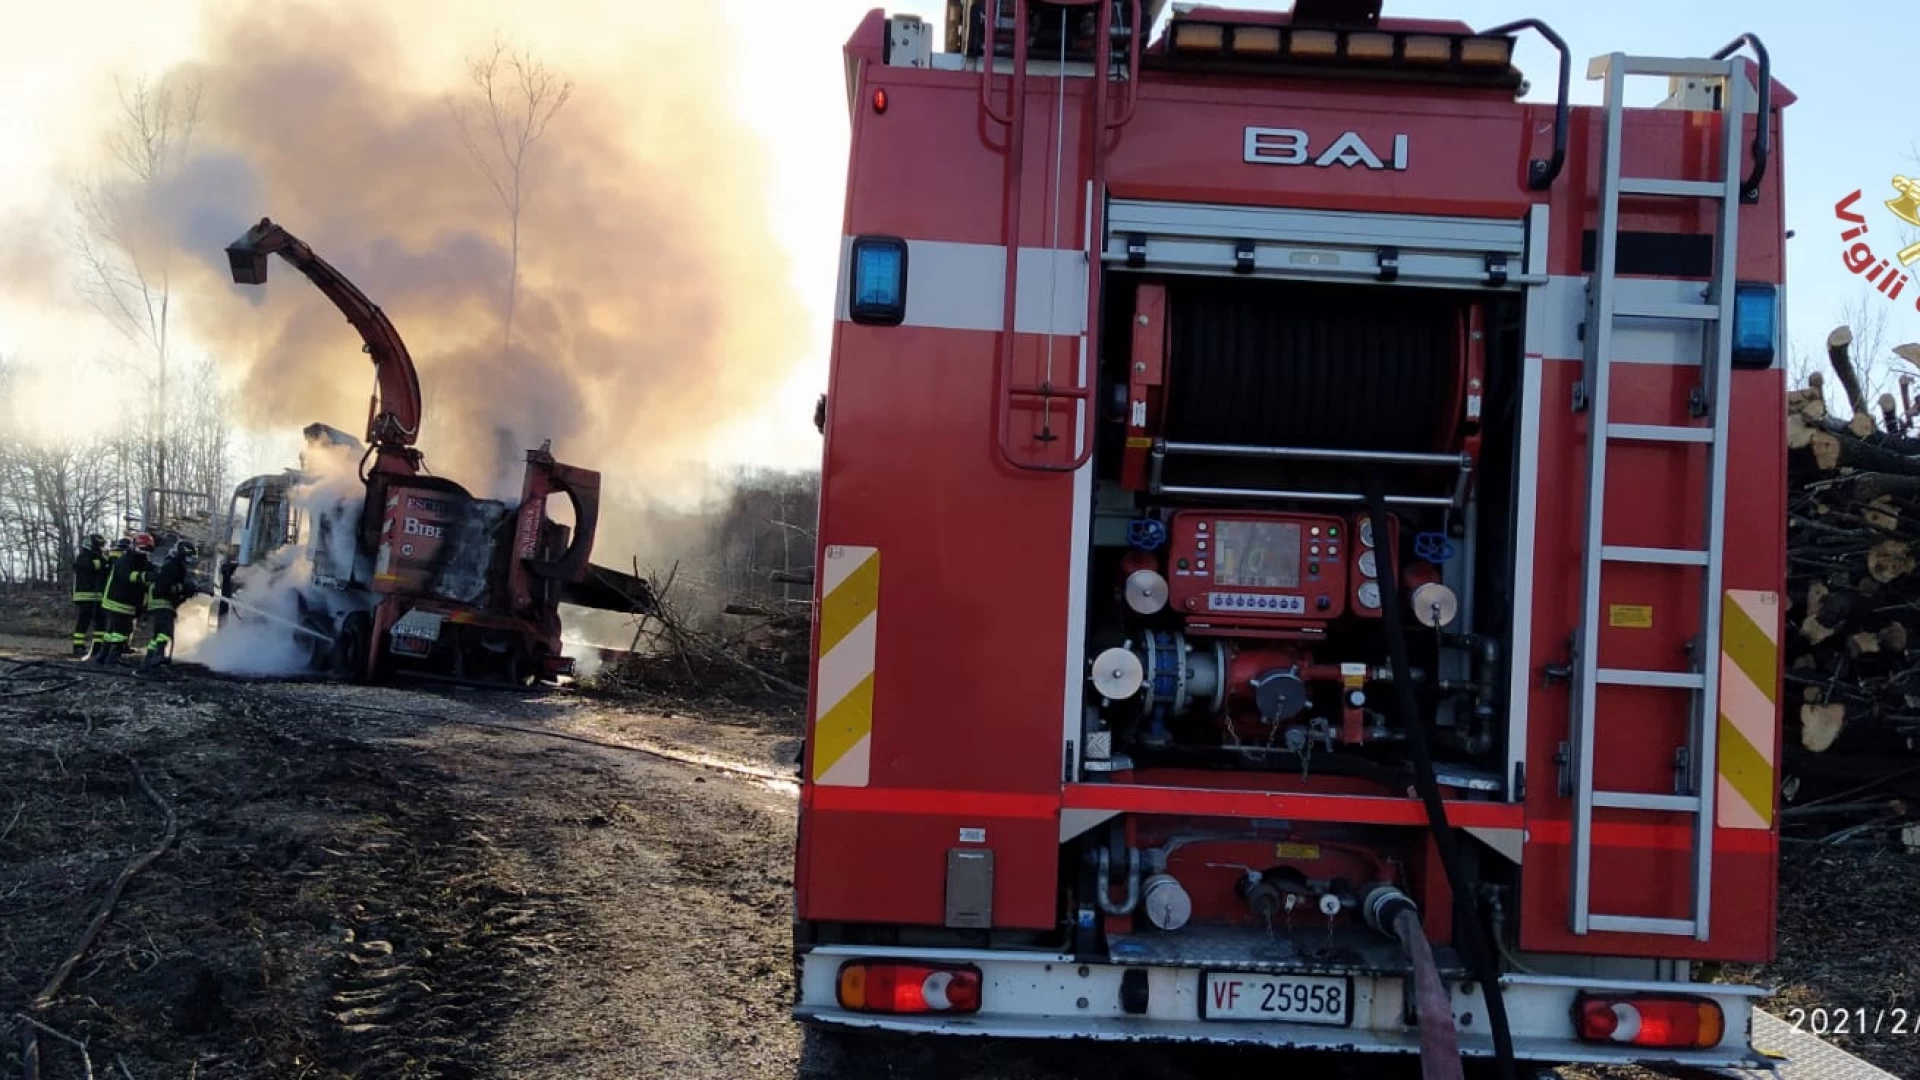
(1256, 555)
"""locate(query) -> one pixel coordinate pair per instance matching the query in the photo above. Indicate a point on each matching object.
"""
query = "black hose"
(1478, 950)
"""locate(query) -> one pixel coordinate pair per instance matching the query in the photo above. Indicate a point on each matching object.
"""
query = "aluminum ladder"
(1697, 779)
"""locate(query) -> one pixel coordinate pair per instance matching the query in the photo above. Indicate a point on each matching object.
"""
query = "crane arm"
(394, 422)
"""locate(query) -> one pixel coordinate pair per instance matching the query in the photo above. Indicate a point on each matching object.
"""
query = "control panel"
(1258, 568)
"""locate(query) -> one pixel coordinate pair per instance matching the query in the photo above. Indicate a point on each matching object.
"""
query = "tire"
(350, 647)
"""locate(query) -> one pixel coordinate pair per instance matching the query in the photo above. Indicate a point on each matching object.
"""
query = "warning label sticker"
(1631, 616)
(1291, 850)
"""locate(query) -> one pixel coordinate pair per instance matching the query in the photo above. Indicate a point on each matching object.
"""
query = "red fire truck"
(1282, 574)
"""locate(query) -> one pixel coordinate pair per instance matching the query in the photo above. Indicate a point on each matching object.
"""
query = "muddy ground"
(439, 883)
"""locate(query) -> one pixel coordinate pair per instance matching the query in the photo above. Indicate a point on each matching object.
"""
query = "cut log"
(1882, 513)
(1838, 344)
(1799, 434)
(1820, 725)
(1890, 559)
(1893, 637)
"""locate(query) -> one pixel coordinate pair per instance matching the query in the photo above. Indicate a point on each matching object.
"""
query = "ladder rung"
(1657, 556)
(1693, 189)
(1660, 433)
(1684, 67)
(1633, 924)
(1667, 680)
(1694, 312)
(1641, 800)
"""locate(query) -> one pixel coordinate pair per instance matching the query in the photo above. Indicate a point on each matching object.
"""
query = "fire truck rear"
(1283, 577)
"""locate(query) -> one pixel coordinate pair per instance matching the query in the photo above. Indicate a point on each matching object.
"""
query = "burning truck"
(381, 569)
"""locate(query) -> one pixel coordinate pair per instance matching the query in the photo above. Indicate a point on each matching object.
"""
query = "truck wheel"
(350, 647)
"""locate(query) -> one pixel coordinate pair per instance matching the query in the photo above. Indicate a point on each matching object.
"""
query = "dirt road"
(359, 886)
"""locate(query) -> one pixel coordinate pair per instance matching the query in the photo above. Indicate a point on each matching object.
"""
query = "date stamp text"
(1875, 1021)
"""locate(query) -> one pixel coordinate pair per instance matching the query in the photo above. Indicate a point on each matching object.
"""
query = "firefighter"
(123, 597)
(171, 586)
(89, 578)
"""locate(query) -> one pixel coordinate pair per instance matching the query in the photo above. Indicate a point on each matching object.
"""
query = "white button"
(1202, 564)
(1202, 545)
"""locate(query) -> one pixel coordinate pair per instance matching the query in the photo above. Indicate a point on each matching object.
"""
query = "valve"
(1434, 547)
(1280, 694)
(1147, 534)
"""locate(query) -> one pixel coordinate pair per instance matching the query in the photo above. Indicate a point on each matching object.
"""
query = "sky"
(1849, 129)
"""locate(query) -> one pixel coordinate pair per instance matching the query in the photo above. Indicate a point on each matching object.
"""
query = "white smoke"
(587, 658)
(294, 586)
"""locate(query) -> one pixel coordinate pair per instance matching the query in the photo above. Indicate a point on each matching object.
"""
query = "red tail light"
(1672, 1021)
(909, 988)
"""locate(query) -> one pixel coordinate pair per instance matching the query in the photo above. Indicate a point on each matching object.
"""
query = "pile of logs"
(1853, 617)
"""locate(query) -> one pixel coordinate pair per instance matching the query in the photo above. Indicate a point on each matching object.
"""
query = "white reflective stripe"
(1079, 544)
(1526, 497)
(1562, 304)
(957, 286)
(1539, 234)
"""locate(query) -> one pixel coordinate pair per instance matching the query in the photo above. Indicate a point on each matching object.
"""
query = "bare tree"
(53, 491)
(125, 251)
(513, 99)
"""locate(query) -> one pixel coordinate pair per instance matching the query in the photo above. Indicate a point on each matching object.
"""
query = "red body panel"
(975, 601)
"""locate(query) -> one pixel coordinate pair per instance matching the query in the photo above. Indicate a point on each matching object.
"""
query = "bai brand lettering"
(1291, 146)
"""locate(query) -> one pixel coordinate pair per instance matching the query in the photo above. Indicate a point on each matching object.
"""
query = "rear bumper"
(1049, 996)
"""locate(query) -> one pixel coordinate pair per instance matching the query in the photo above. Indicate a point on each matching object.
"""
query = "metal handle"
(1541, 174)
(1763, 123)
(1135, 32)
(991, 13)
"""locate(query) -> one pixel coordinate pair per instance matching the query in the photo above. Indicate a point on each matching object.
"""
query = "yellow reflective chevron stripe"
(1749, 708)
(843, 685)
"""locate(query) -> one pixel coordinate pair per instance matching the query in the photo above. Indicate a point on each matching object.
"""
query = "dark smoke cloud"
(653, 304)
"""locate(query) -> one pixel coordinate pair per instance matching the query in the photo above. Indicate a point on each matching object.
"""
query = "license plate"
(1299, 999)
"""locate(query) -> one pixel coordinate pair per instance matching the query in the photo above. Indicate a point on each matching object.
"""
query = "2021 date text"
(1823, 1021)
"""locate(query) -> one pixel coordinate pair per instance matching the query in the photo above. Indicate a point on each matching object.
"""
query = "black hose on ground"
(1479, 951)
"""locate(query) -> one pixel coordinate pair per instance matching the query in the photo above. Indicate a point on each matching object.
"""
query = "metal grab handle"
(1763, 123)
(991, 10)
(1135, 34)
(1541, 174)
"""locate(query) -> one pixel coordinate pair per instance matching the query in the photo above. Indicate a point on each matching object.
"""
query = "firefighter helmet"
(143, 542)
(184, 550)
(95, 541)
(123, 544)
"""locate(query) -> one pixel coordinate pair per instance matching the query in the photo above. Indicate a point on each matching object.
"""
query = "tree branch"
(52, 990)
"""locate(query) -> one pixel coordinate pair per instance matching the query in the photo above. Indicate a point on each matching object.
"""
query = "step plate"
(1807, 1056)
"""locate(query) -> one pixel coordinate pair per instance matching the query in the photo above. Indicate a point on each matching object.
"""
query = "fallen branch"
(15, 820)
(33, 1047)
(45, 997)
(47, 689)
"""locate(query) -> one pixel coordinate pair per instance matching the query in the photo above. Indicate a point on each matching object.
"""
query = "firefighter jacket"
(171, 585)
(89, 576)
(127, 583)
